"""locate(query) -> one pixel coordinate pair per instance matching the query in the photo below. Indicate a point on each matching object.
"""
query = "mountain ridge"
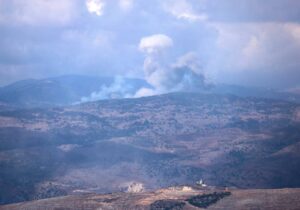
(71, 89)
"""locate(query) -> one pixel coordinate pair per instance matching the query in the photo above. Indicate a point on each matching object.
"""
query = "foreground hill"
(156, 141)
(176, 198)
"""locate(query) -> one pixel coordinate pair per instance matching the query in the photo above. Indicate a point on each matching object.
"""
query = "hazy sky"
(249, 42)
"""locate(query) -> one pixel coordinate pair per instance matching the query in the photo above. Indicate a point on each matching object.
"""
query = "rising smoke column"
(164, 76)
(183, 75)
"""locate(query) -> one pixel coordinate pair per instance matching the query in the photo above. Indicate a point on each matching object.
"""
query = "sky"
(167, 42)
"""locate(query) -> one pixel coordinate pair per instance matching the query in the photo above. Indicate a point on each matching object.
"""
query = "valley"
(158, 141)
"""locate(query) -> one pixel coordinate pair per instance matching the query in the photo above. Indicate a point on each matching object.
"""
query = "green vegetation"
(167, 205)
(203, 201)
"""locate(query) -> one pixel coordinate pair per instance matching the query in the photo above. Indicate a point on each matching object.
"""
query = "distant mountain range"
(257, 92)
(59, 91)
(67, 90)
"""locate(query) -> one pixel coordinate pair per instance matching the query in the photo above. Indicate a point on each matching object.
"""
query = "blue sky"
(248, 42)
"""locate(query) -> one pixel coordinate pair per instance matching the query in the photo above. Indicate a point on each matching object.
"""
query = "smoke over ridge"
(162, 75)
(183, 75)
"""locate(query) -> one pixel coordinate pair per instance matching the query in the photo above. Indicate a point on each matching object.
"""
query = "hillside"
(177, 198)
(158, 141)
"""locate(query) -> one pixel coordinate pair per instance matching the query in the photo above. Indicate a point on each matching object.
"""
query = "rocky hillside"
(176, 198)
(157, 141)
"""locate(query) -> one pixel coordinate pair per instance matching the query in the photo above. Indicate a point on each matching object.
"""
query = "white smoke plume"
(183, 75)
(120, 88)
(155, 43)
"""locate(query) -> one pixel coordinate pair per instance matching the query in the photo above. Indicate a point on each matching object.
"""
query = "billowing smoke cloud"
(162, 76)
(183, 75)
(155, 44)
